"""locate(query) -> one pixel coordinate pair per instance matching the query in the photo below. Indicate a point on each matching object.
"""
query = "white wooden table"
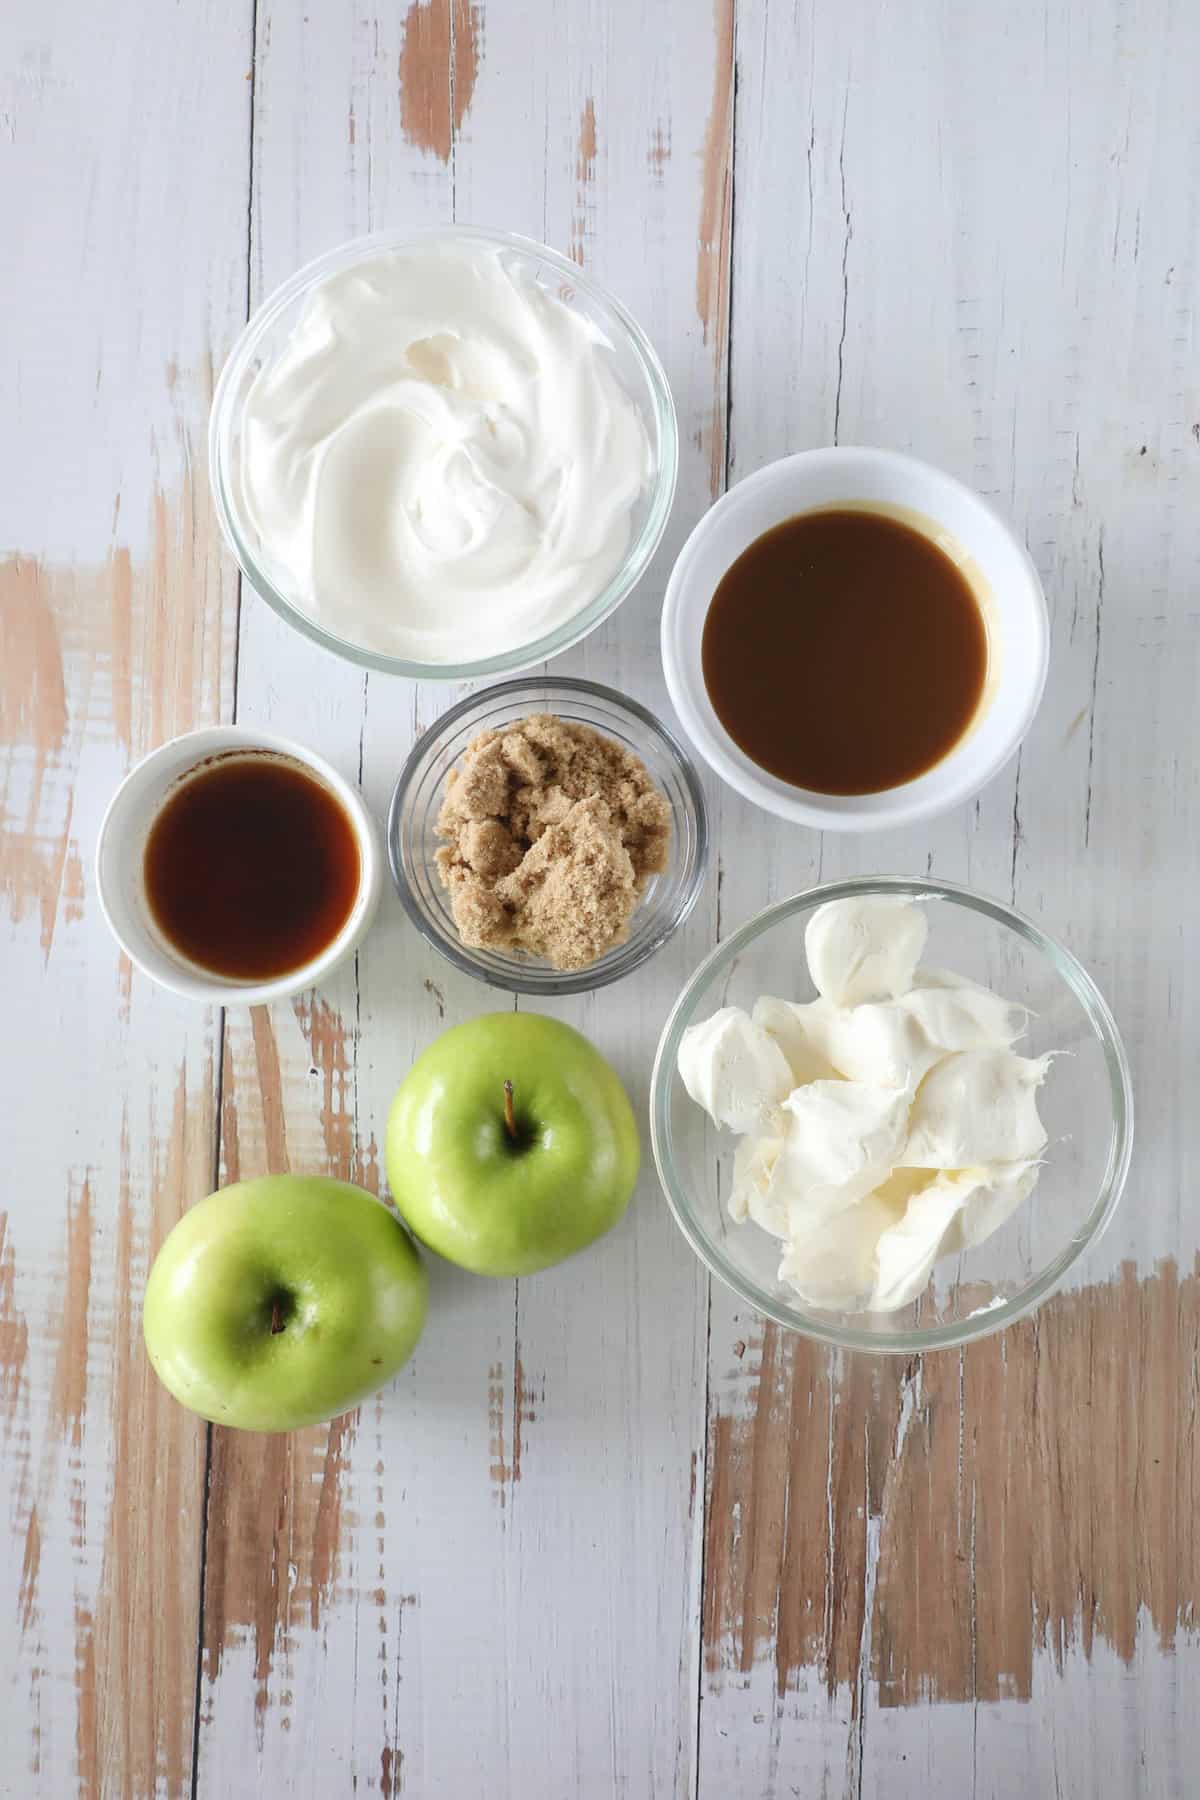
(605, 1535)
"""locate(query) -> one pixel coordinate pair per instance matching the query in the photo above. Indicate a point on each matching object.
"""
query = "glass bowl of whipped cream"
(443, 454)
(891, 1114)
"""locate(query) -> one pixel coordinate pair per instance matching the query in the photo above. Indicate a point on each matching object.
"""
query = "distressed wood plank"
(608, 1511)
(123, 282)
(979, 245)
(509, 1538)
(310, 1594)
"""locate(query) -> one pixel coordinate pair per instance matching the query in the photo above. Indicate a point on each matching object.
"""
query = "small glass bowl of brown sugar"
(548, 835)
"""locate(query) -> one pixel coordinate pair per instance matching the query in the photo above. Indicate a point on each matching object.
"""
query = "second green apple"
(511, 1144)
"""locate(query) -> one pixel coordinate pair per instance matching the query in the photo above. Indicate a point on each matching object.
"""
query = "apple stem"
(510, 1123)
(276, 1318)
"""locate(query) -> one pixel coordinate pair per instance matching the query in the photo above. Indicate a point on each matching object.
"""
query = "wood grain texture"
(605, 1534)
(116, 630)
(956, 1572)
(508, 1462)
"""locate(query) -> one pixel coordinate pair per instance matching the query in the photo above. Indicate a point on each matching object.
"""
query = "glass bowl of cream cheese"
(891, 1114)
(443, 454)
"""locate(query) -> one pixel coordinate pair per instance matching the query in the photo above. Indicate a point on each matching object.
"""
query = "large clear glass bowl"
(412, 839)
(1086, 1105)
(634, 361)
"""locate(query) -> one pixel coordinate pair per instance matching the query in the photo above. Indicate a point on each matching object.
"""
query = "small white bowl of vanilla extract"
(855, 640)
(234, 865)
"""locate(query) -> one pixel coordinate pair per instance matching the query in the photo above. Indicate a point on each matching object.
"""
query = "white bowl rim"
(210, 740)
(528, 656)
(991, 1319)
(938, 789)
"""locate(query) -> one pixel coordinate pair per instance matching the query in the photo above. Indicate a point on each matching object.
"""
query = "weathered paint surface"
(605, 1534)
(1029, 1494)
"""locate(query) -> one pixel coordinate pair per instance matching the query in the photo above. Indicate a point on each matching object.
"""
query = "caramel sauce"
(252, 867)
(845, 652)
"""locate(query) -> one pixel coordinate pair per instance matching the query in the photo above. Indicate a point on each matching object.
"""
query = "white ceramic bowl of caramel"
(802, 699)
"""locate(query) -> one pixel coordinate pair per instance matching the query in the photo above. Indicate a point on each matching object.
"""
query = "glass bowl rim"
(989, 1320)
(637, 558)
(551, 982)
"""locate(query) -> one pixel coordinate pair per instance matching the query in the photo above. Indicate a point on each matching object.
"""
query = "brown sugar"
(551, 833)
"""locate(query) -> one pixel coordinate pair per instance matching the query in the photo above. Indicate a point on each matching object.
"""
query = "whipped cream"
(883, 1125)
(441, 462)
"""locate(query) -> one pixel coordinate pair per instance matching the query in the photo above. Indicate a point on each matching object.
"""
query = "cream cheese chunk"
(867, 948)
(802, 1031)
(977, 1106)
(841, 1140)
(832, 1264)
(733, 1069)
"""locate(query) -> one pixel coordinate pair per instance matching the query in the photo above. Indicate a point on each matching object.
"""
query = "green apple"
(280, 1302)
(511, 1144)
